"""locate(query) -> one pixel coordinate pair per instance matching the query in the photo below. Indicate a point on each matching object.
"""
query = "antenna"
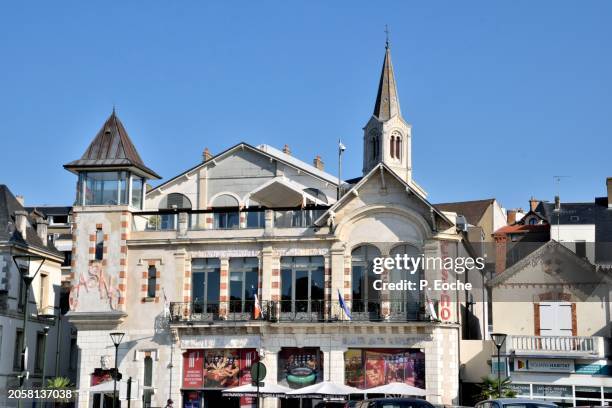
(557, 180)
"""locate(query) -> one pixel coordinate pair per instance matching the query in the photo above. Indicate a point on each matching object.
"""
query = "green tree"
(489, 389)
(59, 383)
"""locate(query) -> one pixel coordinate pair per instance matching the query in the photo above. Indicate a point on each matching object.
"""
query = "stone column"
(270, 359)
(266, 273)
(338, 279)
(183, 224)
(224, 288)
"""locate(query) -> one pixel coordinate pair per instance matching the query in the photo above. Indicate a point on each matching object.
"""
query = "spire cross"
(387, 35)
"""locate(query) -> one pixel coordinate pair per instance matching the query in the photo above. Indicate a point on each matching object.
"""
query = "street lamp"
(499, 339)
(28, 267)
(44, 355)
(50, 318)
(116, 337)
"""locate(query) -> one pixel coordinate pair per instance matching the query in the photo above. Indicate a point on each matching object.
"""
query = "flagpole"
(341, 148)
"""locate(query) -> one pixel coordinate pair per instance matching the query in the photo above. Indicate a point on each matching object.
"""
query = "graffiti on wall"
(94, 286)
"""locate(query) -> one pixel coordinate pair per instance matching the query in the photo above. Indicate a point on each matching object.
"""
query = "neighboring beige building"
(177, 268)
(559, 328)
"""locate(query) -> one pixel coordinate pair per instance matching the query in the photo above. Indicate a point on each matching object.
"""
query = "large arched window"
(176, 201)
(405, 304)
(173, 201)
(365, 299)
(228, 215)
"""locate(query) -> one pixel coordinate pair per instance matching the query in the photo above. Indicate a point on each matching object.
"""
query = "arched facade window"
(395, 146)
(533, 221)
(374, 145)
(365, 299)
(228, 216)
(175, 201)
(398, 147)
(405, 304)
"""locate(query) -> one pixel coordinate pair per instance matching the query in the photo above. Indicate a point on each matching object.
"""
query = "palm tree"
(59, 383)
(489, 389)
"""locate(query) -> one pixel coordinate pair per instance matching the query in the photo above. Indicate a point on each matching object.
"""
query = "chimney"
(609, 186)
(42, 229)
(287, 150)
(318, 163)
(21, 200)
(206, 155)
(511, 217)
(21, 222)
(500, 252)
(533, 203)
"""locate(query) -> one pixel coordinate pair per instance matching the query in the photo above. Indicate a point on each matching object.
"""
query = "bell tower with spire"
(387, 136)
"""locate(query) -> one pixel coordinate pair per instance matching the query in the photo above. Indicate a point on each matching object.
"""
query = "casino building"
(178, 268)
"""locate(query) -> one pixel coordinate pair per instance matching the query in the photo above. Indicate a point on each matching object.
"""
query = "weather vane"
(387, 35)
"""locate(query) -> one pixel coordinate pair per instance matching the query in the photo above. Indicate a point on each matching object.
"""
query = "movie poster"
(367, 368)
(300, 367)
(193, 362)
(217, 368)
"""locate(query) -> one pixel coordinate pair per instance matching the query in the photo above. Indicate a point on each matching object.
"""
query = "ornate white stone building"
(178, 268)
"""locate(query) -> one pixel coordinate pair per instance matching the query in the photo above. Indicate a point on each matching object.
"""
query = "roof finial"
(113, 109)
(387, 42)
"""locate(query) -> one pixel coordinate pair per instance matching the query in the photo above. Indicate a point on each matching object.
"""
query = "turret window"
(103, 188)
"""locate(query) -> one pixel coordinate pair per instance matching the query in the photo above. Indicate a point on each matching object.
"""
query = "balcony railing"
(225, 219)
(554, 344)
(309, 311)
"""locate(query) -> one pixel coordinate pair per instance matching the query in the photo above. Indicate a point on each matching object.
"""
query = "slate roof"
(387, 100)
(50, 210)
(596, 212)
(112, 147)
(8, 233)
(471, 210)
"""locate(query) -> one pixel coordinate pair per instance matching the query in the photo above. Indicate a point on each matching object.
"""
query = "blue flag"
(344, 306)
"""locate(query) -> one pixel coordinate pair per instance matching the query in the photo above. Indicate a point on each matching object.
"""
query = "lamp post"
(116, 337)
(44, 355)
(499, 339)
(28, 267)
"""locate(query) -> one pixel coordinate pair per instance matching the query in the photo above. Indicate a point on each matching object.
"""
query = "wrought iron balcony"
(297, 311)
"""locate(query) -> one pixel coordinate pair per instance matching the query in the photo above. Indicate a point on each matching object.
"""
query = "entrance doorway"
(214, 399)
(295, 402)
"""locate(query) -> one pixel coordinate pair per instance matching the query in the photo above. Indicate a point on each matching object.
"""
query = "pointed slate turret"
(387, 101)
(112, 148)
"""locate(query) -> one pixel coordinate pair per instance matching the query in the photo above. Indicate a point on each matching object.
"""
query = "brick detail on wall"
(144, 279)
(536, 319)
(574, 320)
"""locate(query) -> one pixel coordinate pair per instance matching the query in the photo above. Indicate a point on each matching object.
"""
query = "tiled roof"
(112, 147)
(471, 210)
(522, 228)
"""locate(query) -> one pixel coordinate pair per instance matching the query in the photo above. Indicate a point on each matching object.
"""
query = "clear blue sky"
(502, 95)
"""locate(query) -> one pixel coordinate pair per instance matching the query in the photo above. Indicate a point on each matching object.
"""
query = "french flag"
(344, 306)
